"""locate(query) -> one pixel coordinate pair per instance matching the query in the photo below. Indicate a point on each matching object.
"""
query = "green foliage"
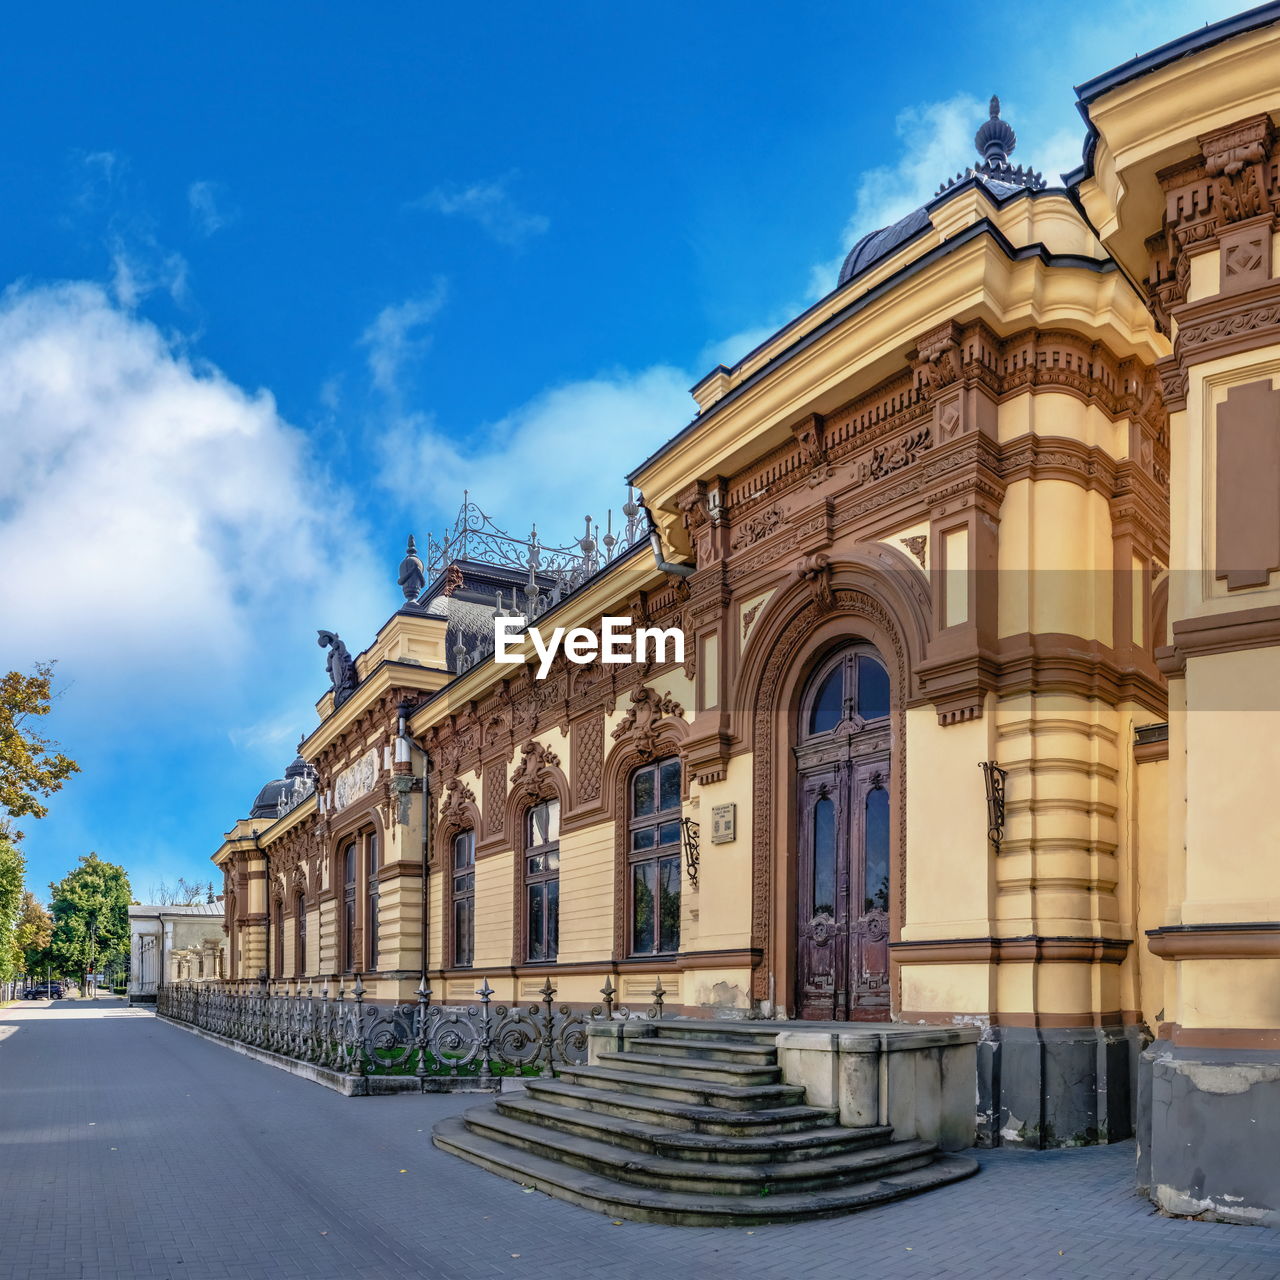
(33, 935)
(29, 765)
(90, 916)
(12, 866)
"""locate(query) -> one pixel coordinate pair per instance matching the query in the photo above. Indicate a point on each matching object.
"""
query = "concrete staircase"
(692, 1125)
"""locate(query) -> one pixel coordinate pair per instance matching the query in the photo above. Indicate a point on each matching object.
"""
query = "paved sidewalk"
(130, 1148)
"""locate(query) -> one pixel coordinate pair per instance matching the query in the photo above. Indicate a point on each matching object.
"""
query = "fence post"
(486, 1040)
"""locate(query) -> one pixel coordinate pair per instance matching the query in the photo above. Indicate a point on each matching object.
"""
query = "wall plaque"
(724, 823)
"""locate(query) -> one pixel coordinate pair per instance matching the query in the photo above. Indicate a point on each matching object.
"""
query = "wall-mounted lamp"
(994, 777)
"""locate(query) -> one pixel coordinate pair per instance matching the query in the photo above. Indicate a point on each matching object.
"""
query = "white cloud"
(211, 208)
(554, 460)
(395, 336)
(163, 532)
(488, 204)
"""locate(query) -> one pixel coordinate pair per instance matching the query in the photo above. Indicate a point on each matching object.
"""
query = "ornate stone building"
(974, 718)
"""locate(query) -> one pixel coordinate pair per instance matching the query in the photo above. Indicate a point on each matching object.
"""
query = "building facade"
(174, 944)
(972, 563)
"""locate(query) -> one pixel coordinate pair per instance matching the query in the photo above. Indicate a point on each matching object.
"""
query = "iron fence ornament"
(414, 1039)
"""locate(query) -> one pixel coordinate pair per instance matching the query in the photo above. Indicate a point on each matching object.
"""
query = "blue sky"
(281, 280)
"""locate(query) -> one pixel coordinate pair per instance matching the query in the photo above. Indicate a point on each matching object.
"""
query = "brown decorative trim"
(1226, 325)
(1246, 1038)
(784, 648)
(1227, 632)
(1031, 948)
(1150, 743)
(1247, 495)
(1249, 941)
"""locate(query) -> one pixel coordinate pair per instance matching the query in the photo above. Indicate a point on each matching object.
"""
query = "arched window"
(371, 901)
(349, 907)
(853, 691)
(464, 898)
(542, 881)
(654, 854)
(299, 936)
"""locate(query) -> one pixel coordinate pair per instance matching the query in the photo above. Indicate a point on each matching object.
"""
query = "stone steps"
(677, 1087)
(798, 1144)
(691, 1125)
(722, 1050)
(678, 1208)
(703, 1178)
(703, 1119)
(712, 1070)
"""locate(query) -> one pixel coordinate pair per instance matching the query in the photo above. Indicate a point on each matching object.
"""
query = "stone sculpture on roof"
(340, 665)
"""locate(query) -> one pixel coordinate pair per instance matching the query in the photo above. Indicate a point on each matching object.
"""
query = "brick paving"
(130, 1148)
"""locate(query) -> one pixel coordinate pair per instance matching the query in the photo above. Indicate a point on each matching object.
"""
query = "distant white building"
(174, 944)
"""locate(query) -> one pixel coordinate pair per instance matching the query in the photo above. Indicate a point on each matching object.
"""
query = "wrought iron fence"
(479, 1041)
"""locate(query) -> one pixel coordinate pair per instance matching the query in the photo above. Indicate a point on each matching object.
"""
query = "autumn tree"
(33, 934)
(90, 917)
(30, 766)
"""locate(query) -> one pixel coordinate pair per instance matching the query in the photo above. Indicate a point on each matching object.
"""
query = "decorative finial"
(995, 140)
(413, 576)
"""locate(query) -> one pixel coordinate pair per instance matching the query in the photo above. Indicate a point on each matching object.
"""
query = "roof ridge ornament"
(995, 140)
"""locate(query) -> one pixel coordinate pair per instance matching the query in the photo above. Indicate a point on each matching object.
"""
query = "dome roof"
(299, 769)
(994, 141)
(267, 805)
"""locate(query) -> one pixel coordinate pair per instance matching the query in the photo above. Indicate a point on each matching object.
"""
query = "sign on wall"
(724, 821)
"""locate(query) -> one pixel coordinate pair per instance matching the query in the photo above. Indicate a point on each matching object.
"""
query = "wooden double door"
(843, 766)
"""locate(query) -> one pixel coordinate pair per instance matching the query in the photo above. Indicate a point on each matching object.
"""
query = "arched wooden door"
(843, 760)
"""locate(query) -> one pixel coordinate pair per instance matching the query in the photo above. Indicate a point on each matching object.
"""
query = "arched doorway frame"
(877, 595)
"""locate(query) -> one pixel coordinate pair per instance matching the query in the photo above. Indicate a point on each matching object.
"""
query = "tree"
(90, 916)
(12, 866)
(29, 765)
(33, 934)
(186, 893)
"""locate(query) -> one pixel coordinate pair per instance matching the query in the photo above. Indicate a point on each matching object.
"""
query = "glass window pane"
(642, 797)
(553, 860)
(553, 918)
(464, 849)
(669, 912)
(669, 833)
(873, 689)
(643, 839)
(824, 857)
(876, 886)
(373, 854)
(463, 932)
(828, 706)
(537, 923)
(669, 784)
(643, 907)
(538, 824)
(553, 820)
(349, 865)
(535, 863)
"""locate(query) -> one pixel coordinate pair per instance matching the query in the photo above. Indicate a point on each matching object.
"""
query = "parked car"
(45, 991)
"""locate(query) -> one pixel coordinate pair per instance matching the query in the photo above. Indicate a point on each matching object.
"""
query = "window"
(654, 854)
(853, 691)
(464, 898)
(349, 908)
(277, 958)
(299, 937)
(542, 880)
(371, 902)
